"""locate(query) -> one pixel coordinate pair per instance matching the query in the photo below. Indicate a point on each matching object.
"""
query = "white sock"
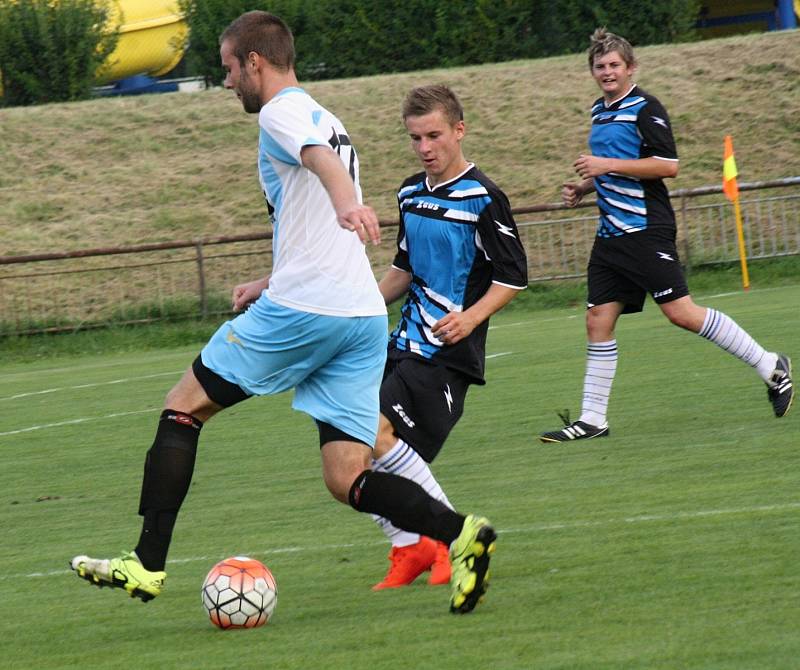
(402, 460)
(601, 366)
(727, 334)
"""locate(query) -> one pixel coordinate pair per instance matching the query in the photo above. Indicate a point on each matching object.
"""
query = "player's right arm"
(394, 284)
(572, 192)
(350, 213)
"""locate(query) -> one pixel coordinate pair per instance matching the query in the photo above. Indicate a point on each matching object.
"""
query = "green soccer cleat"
(125, 572)
(469, 558)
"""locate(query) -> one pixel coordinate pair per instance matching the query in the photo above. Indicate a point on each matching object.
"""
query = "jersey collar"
(622, 97)
(289, 89)
(449, 181)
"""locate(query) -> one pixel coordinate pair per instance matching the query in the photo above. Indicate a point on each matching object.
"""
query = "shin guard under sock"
(405, 504)
(168, 472)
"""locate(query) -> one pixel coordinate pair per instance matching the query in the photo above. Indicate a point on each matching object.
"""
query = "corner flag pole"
(731, 189)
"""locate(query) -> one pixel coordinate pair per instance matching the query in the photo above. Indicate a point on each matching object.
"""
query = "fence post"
(685, 252)
(201, 276)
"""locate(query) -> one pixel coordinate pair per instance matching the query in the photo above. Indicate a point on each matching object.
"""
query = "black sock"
(405, 504)
(168, 472)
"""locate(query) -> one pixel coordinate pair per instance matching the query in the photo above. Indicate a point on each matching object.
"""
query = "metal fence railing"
(558, 247)
(94, 287)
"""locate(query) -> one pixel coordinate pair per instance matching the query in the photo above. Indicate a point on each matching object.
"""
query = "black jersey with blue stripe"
(636, 126)
(456, 239)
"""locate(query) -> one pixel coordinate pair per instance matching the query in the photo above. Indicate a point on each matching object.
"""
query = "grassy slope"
(119, 171)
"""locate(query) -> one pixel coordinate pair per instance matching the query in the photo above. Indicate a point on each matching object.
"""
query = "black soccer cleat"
(780, 389)
(574, 430)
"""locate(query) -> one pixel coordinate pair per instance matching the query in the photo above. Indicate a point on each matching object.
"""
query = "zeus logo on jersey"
(658, 120)
(664, 257)
(421, 204)
(402, 414)
(505, 230)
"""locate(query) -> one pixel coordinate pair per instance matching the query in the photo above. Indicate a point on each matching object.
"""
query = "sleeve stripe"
(516, 288)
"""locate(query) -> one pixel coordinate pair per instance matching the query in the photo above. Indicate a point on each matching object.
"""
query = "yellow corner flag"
(729, 172)
(731, 189)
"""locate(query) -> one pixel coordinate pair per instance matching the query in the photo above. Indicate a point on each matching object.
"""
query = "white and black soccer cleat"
(575, 430)
(780, 389)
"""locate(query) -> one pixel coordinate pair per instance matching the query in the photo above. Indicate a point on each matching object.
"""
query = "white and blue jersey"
(317, 266)
(320, 327)
(456, 239)
(635, 126)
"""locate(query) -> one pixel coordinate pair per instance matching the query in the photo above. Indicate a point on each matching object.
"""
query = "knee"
(342, 464)
(687, 316)
(189, 397)
(339, 491)
(680, 319)
(385, 440)
(598, 327)
(339, 483)
(173, 398)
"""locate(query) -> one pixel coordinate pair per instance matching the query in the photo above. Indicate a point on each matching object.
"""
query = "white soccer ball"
(239, 592)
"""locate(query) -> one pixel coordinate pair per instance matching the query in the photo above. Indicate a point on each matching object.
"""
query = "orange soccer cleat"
(440, 570)
(408, 563)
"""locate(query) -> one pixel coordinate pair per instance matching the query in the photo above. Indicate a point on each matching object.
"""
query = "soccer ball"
(239, 592)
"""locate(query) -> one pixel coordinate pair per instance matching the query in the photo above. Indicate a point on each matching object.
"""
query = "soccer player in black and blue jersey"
(632, 152)
(459, 260)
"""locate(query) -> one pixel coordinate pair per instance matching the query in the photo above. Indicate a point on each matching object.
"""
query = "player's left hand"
(362, 220)
(244, 295)
(588, 166)
(453, 328)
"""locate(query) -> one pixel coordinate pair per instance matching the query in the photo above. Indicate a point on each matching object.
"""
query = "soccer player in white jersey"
(459, 260)
(317, 324)
(634, 253)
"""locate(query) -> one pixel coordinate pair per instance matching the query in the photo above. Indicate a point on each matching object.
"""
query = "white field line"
(752, 290)
(27, 374)
(86, 386)
(505, 353)
(515, 324)
(524, 530)
(84, 419)
(533, 322)
(69, 422)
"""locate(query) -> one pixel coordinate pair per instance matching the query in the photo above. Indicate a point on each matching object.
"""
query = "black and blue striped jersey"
(636, 126)
(456, 239)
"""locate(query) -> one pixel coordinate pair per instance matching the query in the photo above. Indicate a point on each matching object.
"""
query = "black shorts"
(423, 401)
(626, 268)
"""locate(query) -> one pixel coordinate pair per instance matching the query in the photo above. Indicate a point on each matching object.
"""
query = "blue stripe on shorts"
(335, 364)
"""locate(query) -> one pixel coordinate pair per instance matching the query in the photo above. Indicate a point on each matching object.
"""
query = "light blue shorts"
(335, 364)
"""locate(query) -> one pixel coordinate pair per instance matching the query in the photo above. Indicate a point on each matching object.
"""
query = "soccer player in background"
(634, 253)
(459, 260)
(317, 324)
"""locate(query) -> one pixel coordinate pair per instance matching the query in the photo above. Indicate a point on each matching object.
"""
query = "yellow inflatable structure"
(152, 38)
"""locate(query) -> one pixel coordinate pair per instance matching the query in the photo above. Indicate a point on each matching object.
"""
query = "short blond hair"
(602, 42)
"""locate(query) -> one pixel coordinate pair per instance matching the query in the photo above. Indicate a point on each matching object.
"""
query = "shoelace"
(564, 416)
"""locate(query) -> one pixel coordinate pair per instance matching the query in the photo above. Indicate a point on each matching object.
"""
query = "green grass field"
(672, 544)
